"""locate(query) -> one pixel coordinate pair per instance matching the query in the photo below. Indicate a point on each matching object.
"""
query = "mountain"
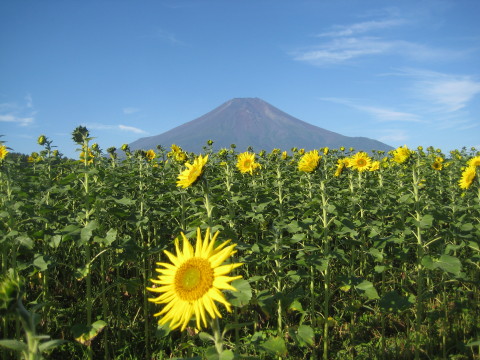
(253, 122)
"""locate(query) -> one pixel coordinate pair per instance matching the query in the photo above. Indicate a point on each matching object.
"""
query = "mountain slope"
(253, 122)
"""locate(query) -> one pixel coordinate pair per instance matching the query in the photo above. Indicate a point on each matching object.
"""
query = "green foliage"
(362, 265)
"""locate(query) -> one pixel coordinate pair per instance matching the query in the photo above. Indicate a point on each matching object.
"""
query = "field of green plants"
(344, 254)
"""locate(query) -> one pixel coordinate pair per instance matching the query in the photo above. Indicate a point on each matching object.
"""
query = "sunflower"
(309, 161)
(360, 161)
(150, 155)
(246, 163)
(191, 284)
(467, 177)
(3, 152)
(374, 166)
(437, 165)
(90, 157)
(341, 164)
(401, 154)
(192, 173)
(475, 161)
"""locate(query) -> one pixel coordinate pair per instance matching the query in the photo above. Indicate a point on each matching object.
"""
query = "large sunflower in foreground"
(467, 177)
(188, 176)
(360, 161)
(246, 163)
(309, 161)
(191, 284)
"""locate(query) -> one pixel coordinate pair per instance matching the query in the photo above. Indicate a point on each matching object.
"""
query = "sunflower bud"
(41, 140)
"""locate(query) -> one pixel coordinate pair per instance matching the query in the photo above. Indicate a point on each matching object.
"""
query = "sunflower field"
(288, 254)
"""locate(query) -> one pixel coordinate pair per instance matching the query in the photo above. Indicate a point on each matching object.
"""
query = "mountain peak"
(253, 122)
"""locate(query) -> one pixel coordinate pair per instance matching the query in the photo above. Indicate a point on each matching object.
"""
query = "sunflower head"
(475, 161)
(309, 161)
(150, 155)
(3, 152)
(193, 172)
(437, 165)
(468, 175)
(190, 285)
(374, 166)
(246, 163)
(402, 154)
(360, 161)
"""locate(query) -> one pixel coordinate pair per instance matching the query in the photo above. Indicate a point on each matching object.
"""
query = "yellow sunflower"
(475, 161)
(437, 165)
(309, 161)
(360, 161)
(374, 166)
(150, 155)
(401, 154)
(191, 284)
(246, 163)
(188, 176)
(467, 177)
(3, 152)
(90, 157)
(341, 164)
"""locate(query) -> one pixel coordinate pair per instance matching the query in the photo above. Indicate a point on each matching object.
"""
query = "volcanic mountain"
(253, 122)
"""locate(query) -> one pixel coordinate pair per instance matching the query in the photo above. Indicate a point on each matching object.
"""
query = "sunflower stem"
(217, 335)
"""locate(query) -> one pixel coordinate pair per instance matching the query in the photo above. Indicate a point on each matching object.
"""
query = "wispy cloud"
(379, 113)
(348, 42)
(167, 36)
(120, 127)
(446, 92)
(131, 129)
(130, 110)
(22, 115)
(22, 121)
(393, 135)
(361, 27)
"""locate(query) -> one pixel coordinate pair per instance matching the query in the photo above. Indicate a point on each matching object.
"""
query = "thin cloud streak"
(448, 93)
(130, 110)
(116, 127)
(362, 27)
(380, 113)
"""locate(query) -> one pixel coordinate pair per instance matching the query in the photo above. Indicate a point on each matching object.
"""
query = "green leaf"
(367, 289)
(206, 337)
(426, 221)
(14, 345)
(242, 296)
(428, 262)
(296, 306)
(393, 302)
(474, 343)
(85, 334)
(276, 346)
(305, 335)
(86, 232)
(25, 241)
(450, 264)
(41, 262)
(226, 355)
(50, 344)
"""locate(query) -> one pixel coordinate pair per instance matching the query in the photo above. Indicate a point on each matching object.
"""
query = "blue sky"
(402, 72)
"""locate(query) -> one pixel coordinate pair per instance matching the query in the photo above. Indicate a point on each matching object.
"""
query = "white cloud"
(341, 49)
(362, 27)
(22, 121)
(393, 135)
(131, 129)
(380, 113)
(446, 92)
(120, 127)
(130, 110)
(22, 115)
